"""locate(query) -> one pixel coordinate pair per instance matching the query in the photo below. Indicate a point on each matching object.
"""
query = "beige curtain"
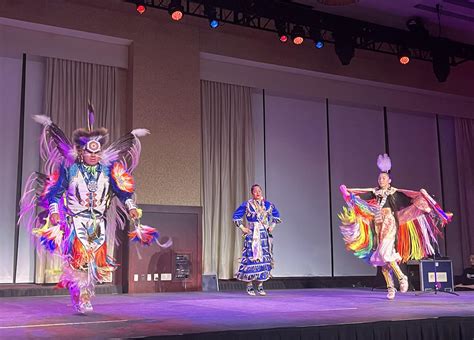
(228, 171)
(464, 133)
(69, 85)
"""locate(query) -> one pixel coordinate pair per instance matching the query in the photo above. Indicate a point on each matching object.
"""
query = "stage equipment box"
(177, 268)
(421, 274)
(210, 283)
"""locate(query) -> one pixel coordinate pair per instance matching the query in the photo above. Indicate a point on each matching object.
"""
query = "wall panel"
(34, 104)
(356, 138)
(10, 89)
(450, 191)
(297, 182)
(413, 144)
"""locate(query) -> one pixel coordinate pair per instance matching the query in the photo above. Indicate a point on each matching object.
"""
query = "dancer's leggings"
(386, 271)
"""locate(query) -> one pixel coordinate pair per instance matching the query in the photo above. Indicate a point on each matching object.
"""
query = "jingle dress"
(256, 262)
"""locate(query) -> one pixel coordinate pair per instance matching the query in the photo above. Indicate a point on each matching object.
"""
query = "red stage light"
(404, 60)
(283, 38)
(404, 55)
(177, 15)
(298, 40)
(176, 10)
(297, 35)
(141, 9)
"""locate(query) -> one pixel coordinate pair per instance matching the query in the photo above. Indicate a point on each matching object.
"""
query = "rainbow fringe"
(50, 236)
(414, 239)
(144, 235)
(357, 233)
(445, 217)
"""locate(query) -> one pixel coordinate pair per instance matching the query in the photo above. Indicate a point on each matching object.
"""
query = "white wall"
(298, 83)
(10, 89)
(34, 103)
(258, 122)
(17, 37)
(450, 192)
(10, 92)
(413, 145)
(356, 137)
(297, 183)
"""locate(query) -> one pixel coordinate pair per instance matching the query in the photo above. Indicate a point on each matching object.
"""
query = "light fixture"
(281, 30)
(414, 24)
(175, 9)
(316, 36)
(141, 8)
(416, 27)
(344, 46)
(211, 14)
(297, 35)
(404, 55)
(441, 61)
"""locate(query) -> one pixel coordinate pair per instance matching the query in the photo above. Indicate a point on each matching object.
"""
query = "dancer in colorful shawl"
(386, 225)
(84, 195)
(257, 259)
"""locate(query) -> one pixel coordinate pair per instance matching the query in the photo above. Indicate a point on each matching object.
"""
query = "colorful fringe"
(362, 208)
(144, 235)
(50, 236)
(357, 233)
(417, 232)
(74, 279)
(416, 239)
(96, 263)
(445, 217)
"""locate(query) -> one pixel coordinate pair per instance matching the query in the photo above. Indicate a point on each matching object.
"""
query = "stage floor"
(122, 316)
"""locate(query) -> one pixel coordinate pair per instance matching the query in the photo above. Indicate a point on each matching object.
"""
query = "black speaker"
(422, 274)
(444, 275)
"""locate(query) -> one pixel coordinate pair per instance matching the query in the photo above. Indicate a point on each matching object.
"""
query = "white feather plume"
(44, 120)
(140, 132)
(384, 163)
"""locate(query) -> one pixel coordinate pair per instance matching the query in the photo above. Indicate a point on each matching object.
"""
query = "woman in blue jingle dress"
(257, 259)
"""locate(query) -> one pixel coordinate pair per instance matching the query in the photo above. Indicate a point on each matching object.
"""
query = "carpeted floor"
(122, 316)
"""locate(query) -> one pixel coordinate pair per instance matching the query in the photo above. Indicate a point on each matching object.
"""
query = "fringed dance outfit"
(388, 226)
(91, 200)
(257, 259)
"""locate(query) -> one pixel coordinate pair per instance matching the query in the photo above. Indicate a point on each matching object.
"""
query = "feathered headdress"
(90, 139)
(57, 149)
(384, 163)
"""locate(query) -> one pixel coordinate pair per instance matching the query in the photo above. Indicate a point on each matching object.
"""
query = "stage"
(282, 314)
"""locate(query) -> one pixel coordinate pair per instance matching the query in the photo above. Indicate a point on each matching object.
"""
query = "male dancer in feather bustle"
(85, 191)
(405, 222)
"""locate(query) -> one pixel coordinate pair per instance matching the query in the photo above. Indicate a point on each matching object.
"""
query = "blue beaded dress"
(256, 262)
